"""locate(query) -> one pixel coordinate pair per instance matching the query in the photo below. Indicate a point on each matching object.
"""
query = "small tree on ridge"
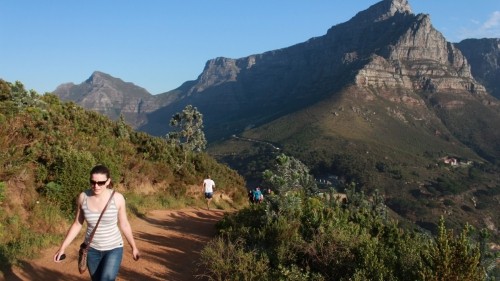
(189, 129)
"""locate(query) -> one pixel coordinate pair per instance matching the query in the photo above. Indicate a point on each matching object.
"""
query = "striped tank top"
(107, 235)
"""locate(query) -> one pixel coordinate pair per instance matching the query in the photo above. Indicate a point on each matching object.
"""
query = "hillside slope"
(47, 149)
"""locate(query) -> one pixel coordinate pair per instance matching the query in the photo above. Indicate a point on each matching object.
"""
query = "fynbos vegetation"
(47, 148)
(297, 235)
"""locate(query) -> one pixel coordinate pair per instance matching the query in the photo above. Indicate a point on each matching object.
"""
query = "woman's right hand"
(59, 256)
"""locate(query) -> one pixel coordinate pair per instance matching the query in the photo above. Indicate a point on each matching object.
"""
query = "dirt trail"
(169, 241)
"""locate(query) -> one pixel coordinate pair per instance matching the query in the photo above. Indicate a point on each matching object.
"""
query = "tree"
(5, 92)
(23, 98)
(452, 258)
(189, 129)
(289, 174)
(122, 129)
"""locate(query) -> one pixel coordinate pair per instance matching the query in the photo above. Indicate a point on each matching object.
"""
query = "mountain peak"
(383, 10)
(401, 6)
(98, 78)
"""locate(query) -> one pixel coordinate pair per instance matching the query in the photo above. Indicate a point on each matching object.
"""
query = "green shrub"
(2, 214)
(225, 260)
(71, 171)
(54, 192)
(448, 202)
(2, 192)
(22, 240)
(449, 186)
(295, 273)
(333, 252)
(321, 240)
(452, 258)
(26, 245)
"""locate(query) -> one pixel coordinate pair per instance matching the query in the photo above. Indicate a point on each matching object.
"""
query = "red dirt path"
(169, 240)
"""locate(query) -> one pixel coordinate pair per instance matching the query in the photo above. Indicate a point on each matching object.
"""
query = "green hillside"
(47, 148)
(397, 148)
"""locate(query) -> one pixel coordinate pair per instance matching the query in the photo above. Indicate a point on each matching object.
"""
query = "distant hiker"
(250, 196)
(257, 195)
(208, 188)
(106, 245)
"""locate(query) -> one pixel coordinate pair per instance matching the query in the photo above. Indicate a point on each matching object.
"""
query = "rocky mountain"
(484, 58)
(385, 52)
(112, 97)
(385, 45)
(382, 100)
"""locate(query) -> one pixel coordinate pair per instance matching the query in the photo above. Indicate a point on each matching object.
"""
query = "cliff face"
(484, 58)
(420, 59)
(386, 45)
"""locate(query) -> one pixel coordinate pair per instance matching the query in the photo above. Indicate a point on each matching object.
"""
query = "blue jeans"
(104, 265)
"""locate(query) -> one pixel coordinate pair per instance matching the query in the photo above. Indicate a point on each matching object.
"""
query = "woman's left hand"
(135, 254)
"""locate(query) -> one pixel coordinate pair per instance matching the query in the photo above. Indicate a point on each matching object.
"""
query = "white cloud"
(493, 21)
(489, 29)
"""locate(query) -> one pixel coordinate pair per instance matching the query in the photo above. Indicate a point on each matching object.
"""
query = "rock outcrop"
(420, 59)
(484, 58)
(386, 45)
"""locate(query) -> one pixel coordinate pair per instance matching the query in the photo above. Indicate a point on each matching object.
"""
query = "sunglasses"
(99, 183)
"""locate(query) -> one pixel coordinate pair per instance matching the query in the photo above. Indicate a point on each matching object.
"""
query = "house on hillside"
(450, 161)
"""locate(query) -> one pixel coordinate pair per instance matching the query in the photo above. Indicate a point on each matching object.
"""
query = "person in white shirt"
(208, 188)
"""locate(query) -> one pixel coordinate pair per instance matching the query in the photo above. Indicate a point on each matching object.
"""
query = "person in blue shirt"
(257, 195)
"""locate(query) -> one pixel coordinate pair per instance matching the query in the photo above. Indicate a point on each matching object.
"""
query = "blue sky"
(159, 44)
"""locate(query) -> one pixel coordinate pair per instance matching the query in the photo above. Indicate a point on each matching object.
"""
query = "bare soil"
(170, 242)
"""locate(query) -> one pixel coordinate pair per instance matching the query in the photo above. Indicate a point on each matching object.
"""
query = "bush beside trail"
(296, 234)
(327, 240)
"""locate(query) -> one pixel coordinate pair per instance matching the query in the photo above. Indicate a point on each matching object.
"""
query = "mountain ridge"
(221, 72)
